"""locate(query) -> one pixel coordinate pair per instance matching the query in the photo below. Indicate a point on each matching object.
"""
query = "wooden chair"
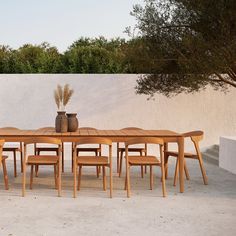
(38, 150)
(146, 160)
(121, 150)
(36, 160)
(14, 151)
(3, 162)
(95, 150)
(98, 161)
(196, 137)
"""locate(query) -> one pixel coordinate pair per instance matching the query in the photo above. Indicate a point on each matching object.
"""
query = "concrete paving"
(201, 210)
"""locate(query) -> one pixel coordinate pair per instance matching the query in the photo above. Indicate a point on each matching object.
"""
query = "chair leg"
(31, 176)
(97, 167)
(118, 163)
(36, 171)
(128, 181)
(186, 171)
(142, 171)
(63, 161)
(21, 162)
(141, 166)
(176, 171)
(79, 177)
(55, 176)
(125, 188)
(59, 179)
(97, 170)
(151, 178)
(4, 168)
(166, 158)
(75, 169)
(204, 176)
(37, 167)
(111, 181)
(121, 158)
(104, 178)
(72, 162)
(23, 180)
(15, 168)
(163, 179)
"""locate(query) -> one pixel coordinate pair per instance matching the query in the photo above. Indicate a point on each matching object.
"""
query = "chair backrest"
(46, 128)
(144, 140)
(1, 147)
(195, 136)
(9, 128)
(94, 140)
(131, 128)
(91, 128)
(128, 128)
(12, 128)
(42, 140)
(47, 140)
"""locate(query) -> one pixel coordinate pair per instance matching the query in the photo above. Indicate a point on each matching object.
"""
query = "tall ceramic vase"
(73, 122)
(61, 123)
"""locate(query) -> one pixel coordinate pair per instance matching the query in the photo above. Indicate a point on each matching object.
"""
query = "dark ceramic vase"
(73, 122)
(61, 123)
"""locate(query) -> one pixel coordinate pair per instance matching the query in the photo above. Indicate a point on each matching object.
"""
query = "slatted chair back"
(141, 140)
(93, 140)
(41, 140)
(144, 140)
(50, 128)
(131, 128)
(9, 128)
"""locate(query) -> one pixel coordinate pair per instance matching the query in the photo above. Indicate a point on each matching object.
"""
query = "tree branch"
(225, 80)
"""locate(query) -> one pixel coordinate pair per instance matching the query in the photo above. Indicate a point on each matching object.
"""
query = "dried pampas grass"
(67, 94)
(62, 96)
(57, 98)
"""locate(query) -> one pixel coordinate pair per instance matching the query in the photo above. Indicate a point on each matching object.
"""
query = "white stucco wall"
(227, 157)
(110, 102)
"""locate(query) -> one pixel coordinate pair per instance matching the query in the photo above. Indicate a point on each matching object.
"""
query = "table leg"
(181, 163)
(166, 159)
(75, 168)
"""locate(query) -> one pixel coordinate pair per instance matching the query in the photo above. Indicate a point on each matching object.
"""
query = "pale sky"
(61, 22)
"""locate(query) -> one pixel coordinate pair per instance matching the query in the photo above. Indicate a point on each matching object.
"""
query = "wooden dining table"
(115, 135)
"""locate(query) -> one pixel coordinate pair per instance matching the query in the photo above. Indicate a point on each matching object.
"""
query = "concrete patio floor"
(201, 210)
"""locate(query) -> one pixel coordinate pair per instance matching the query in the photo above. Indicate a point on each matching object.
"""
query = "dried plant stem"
(62, 96)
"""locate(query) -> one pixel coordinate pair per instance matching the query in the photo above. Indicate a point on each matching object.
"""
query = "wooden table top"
(90, 133)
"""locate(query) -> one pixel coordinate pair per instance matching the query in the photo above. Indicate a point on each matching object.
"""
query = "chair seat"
(143, 160)
(46, 149)
(132, 149)
(89, 149)
(186, 154)
(92, 160)
(11, 149)
(42, 160)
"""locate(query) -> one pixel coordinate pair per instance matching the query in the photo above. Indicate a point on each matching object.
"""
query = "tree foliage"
(30, 59)
(86, 55)
(186, 45)
(95, 56)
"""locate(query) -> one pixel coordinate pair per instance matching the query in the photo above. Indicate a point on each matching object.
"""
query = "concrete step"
(211, 154)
